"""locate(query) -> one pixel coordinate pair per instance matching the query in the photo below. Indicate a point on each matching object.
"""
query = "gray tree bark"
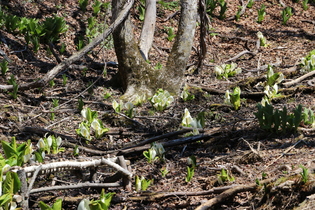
(137, 77)
(147, 33)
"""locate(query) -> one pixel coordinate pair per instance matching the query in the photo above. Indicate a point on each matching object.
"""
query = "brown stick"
(231, 192)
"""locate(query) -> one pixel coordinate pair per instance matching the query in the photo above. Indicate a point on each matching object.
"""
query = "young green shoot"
(56, 206)
(64, 79)
(170, 33)
(55, 104)
(304, 174)
(261, 13)
(142, 184)
(304, 4)
(224, 177)
(223, 8)
(80, 104)
(190, 122)
(238, 13)
(250, 4)
(4, 67)
(83, 4)
(286, 14)
(262, 39)
(103, 203)
(14, 92)
(186, 95)
(164, 171)
(233, 98)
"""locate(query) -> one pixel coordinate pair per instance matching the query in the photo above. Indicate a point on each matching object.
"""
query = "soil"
(231, 139)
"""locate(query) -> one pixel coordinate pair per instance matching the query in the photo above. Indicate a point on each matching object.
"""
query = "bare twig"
(287, 84)
(231, 192)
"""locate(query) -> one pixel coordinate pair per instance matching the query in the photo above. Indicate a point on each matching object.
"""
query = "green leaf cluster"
(308, 62)
(261, 13)
(161, 100)
(36, 32)
(286, 14)
(225, 176)
(142, 184)
(275, 120)
(233, 98)
(16, 154)
(271, 85)
(227, 70)
(91, 123)
(56, 206)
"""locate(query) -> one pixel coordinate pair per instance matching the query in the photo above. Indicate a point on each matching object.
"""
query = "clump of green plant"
(304, 4)
(223, 8)
(156, 151)
(50, 144)
(101, 204)
(192, 164)
(271, 85)
(224, 177)
(304, 174)
(286, 14)
(16, 154)
(170, 33)
(91, 125)
(4, 67)
(55, 103)
(275, 120)
(190, 122)
(56, 206)
(186, 95)
(261, 13)
(161, 100)
(308, 62)
(227, 70)
(164, 171)
(127, 107)
(238, 13)
(141, 10)
(308, 117)
(142, 184)
(83, 4)
(210, 6)
(233, 98)
(15, 89)
(262, 39)
(250, 4)
(64, 79)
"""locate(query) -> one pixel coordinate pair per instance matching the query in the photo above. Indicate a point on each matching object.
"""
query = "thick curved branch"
(75, 57)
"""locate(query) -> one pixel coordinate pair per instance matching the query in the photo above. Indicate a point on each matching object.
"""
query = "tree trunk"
(137, 77)
(148, 29)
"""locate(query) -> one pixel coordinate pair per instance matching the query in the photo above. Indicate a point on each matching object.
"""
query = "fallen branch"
(231, 192)
(158, 195)
(297, 80)
(76, 56)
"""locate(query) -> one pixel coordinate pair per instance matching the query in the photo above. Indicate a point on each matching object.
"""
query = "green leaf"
(8, 150)
(12, 183)
(5, 199)
(57, 205)
(44, 206)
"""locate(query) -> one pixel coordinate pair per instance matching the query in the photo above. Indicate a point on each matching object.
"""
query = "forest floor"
(231, 139)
